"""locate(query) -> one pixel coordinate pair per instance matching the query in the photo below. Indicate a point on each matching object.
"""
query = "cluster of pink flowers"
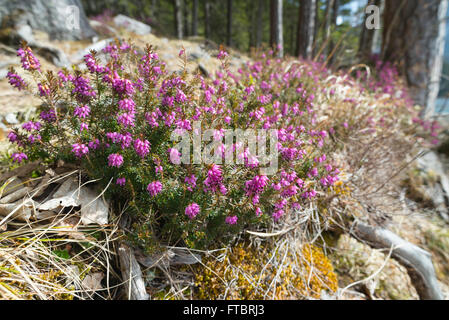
(28, 60)
(80, 149)
(214, 180)
(154, 188)
(16, 81)
(115, 160)
(192, 210)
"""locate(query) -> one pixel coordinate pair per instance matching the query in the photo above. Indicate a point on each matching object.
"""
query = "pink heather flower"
(30, 125)
(191, 181)
(277, 214)
(127, 105)
(18, 157)
(92, 64)
(258, 212)
(44, 90)
(142, 147)
(256, 185)
(82, 112)
(48, 116)
(84, 126)
(79, 149)
(222, 54)
(125, 140)
(231, 220)
(28, 60)
(192, 210)
(121, 181)
(12, 136)
(175, 156)
(123, 86)
(33, 138)
(214, 179)
(181, 52)
(115, 160)
(82, 88)
(16, 81)
(94, 144)
(126, 119)
(154, 188)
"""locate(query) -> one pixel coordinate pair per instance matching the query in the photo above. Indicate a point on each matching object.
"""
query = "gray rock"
(132, 25)
(10, 118)
(103, 28)
(61, 19)
(98, 46)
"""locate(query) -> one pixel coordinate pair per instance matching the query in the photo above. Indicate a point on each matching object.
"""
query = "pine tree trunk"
(413, 38)
(259, 23)
(185, 13)
(367, 35)
(306, 29)
(195, 18)
(327, 26)
(229, 24)
(178, 18)
(276, 31)
(334, 15)
(207, 19)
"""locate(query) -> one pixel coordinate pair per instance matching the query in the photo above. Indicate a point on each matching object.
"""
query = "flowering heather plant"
(115, 121)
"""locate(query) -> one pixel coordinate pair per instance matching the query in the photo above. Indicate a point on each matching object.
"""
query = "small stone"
(10, 118)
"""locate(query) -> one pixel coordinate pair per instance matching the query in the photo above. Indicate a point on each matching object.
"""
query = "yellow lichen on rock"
(246, 272)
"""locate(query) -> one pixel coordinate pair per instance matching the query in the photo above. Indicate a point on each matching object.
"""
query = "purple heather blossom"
(79, 149)
(222, 54)
(84, 126)
(127, 105)
(16, 81)
(28, 60)
(94, 144)
(121, 181)
(231, 220)
(142, 147)
(12, 136)
(277, 214)
(126, 119)
(18, 157)
(214, 179)
(115, 160)
(30, 126)
(44, 90)
(92, 64)
(256, 185)
(82, 88)
(154, 188)
(48, 116)
(192, 210)
(191, 182)
(82, 112)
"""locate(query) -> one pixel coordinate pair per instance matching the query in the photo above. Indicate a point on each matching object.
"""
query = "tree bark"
(333, 25)
(413, 38)
(260, 6)
(327, 25)
(178, 18)
(367, 35)
(207, 19)
(195, 18)
(229, 24)
(306, 29)
(276, 31)
(416, 260)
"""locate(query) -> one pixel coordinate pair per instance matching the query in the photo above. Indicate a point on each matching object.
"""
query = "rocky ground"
(353, 260)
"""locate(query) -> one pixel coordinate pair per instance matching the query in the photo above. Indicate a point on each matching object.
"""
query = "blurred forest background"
(338, 33)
